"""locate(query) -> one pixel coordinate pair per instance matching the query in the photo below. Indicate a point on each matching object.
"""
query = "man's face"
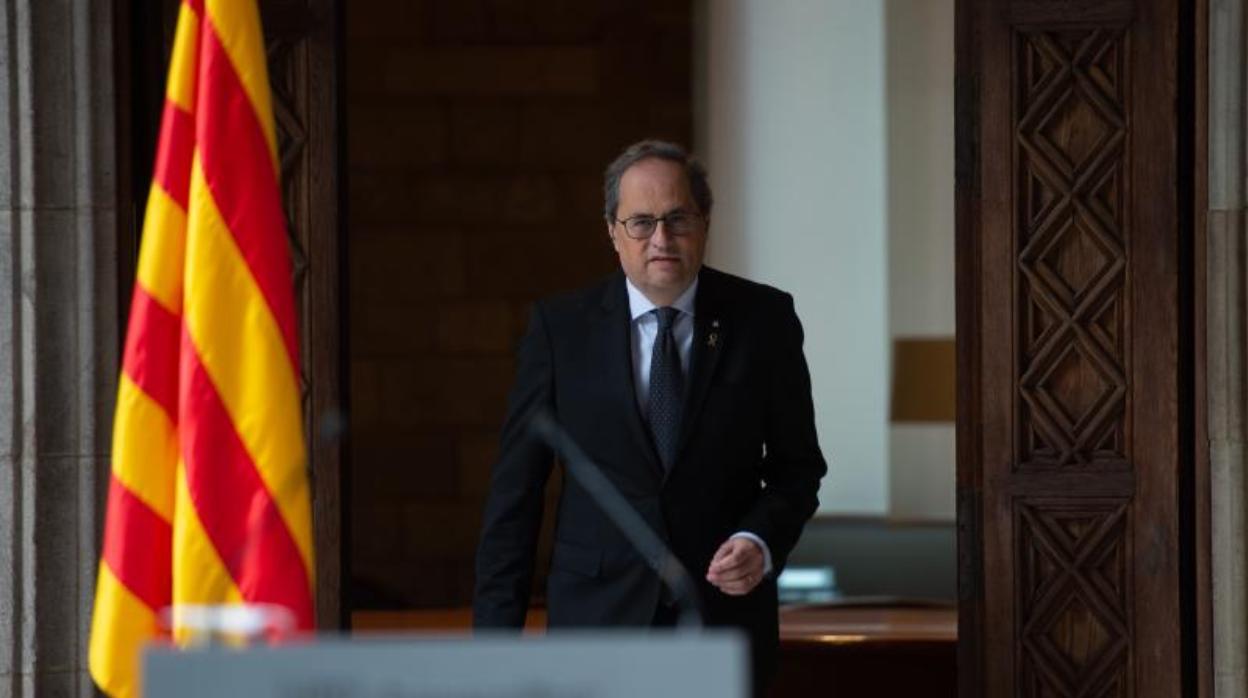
(663, 265)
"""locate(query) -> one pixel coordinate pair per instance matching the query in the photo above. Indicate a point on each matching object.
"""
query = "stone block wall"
(477, 134)
(59, 335)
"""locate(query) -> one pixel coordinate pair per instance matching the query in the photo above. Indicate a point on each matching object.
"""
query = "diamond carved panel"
(1071, 565)
(302, 49)
(286, 26)
(1073, 237)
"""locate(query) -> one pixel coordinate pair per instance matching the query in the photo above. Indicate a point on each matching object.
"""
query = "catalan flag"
(208, 501)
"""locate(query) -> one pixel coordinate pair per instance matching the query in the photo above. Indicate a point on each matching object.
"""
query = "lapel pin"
(712, 340)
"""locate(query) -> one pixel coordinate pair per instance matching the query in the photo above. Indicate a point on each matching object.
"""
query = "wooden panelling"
(301, 43)
(478, 137)
(1072, 397)
(1073, 231)
(1072, 561)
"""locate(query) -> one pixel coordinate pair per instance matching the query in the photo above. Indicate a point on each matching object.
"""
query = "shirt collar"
(639, 305)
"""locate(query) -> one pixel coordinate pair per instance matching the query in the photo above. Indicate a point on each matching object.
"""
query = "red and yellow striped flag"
(208, 501)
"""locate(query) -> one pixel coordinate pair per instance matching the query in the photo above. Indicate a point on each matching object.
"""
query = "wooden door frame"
(316, 207)
(1195, 555)
(968, 475)
(1201, 480)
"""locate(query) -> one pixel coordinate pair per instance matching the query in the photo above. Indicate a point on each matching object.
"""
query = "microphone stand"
(605, 494)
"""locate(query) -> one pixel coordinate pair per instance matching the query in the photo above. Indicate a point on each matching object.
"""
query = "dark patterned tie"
(667, 388)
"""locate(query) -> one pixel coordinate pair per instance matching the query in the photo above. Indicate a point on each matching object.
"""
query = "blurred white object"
(231, 623)
(807, 585)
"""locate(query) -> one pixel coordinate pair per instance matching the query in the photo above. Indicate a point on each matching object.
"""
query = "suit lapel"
(710, 335)
(616, 345)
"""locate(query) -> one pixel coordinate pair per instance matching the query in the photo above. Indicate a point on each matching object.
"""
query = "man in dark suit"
(689, 388)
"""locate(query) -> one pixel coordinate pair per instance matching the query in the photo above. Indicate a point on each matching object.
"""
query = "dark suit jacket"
(748, 421)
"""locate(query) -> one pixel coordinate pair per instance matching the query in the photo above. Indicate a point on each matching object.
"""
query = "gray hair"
(663, 150)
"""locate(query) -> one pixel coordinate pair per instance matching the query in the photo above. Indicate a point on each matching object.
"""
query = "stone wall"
(58, 333)
(1227, 353)
(477, 134)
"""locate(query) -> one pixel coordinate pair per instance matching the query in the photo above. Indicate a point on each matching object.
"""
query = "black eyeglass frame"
(666, 220)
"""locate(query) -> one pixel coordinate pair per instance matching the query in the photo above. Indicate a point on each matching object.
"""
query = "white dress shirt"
(645, 328)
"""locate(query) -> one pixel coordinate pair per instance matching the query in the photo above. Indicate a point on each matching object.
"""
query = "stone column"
(1228, 344)
(58, 333)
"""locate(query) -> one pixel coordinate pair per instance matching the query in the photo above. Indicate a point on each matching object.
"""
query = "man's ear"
(615, 244)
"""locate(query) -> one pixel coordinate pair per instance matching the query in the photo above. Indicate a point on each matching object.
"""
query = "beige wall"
(793, 128)
(919, 57)
(828, 130)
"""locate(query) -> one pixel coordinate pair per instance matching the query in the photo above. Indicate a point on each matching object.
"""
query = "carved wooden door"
(301, 40)
(1072, 395)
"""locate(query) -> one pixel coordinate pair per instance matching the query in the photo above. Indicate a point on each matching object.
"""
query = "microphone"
(639, 534)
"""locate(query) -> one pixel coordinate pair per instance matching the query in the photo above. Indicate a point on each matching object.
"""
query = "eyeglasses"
(676, 223)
